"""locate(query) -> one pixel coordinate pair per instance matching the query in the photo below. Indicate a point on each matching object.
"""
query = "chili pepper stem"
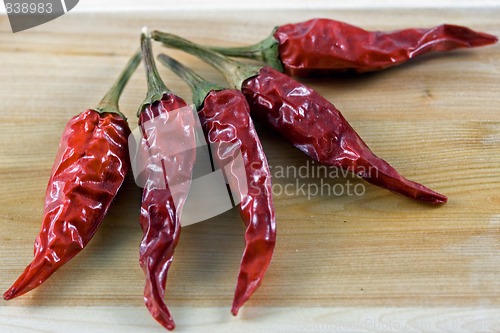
(234, 71)
(199, 86)
(109, 103)
(156, 87)
(266, 51)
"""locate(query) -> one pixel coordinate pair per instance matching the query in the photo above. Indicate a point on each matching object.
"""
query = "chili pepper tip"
(409, 188)
(164, 319)
(234, 311)
(237, 304)
(469, 37)
(433, 198)
(9, 294)
(14, 292)
(34, 274)
(387, 177)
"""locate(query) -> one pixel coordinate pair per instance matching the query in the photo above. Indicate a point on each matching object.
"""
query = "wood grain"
(339, 259)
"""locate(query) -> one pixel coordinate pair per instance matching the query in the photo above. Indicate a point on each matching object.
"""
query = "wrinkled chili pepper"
(160, 213)
(322, 46)
(91, 164)
(310, 122)
(225, 118)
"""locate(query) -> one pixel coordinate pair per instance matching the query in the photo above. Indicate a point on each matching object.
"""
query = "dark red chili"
(320, 46)
(160, 212)
(306, 119)
(225, 118)
(90, 166)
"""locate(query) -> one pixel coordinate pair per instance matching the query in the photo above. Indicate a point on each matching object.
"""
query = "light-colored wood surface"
(342, 263)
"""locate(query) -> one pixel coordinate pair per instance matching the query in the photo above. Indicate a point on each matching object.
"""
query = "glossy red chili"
(160, 211)
(321, 46)
(312, 124)
(225, 118)
(306, 119)
(90, 166)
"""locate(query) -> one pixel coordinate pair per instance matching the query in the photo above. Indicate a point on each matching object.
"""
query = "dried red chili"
(306, 119)
(90, 166)
(225, 118)
(320, 46)
(160, 212)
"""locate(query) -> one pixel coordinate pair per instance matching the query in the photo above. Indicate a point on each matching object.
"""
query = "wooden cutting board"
(375, 262)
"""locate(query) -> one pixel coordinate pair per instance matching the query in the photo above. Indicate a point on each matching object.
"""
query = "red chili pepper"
(306, 119)
(90, 166)
(160, 213)
(323, 133)
(225, 118)
(320, 46)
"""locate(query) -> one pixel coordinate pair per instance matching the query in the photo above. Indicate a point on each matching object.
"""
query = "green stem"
(109, 103)
(199, 86)
(266, 51)
(234, 71)
(156, 87)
